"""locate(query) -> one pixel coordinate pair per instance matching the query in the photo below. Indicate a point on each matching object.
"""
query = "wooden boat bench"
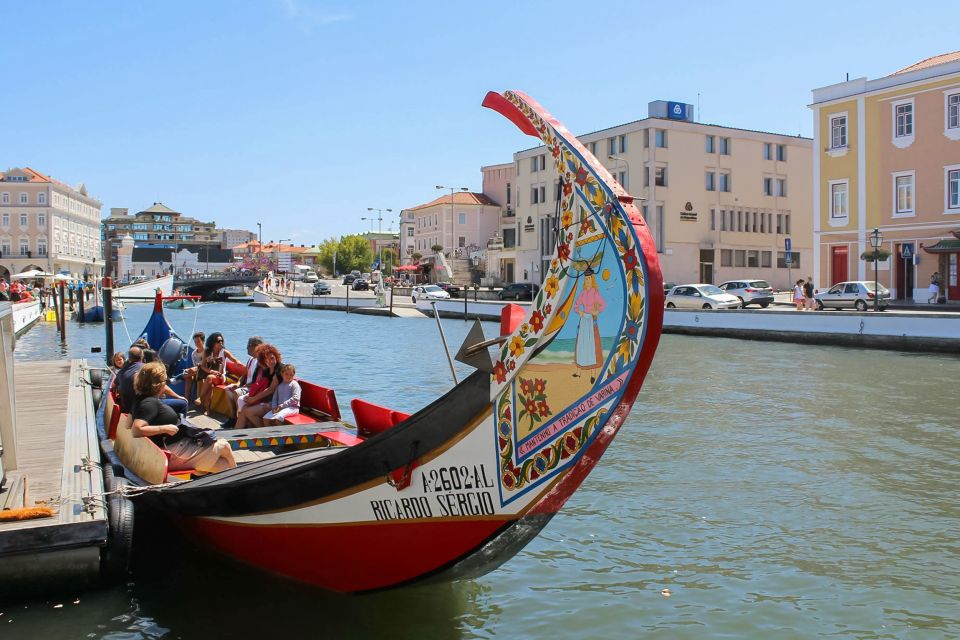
(218, 396)
(317, 404)
(326, 433)
(373, 419)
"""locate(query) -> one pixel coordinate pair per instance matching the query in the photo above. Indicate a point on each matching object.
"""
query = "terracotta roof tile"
(459, 197)
(933, 61)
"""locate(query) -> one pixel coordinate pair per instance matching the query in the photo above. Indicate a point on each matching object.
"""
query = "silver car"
(852, 295)
(750, 292)
(700, 296)
(429, 292)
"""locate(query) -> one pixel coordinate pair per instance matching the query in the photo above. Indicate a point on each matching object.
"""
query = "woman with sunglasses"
(212, 369)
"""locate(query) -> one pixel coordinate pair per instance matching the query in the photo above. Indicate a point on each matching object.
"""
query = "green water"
(777, 491)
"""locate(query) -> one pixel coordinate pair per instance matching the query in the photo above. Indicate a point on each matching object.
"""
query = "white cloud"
(308, 17)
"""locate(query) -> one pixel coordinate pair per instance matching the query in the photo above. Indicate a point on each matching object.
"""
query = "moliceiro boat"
(459, 487)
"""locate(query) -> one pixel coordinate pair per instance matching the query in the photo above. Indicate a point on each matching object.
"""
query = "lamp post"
(379, 218)
(876, 239)
(259, 244)
(452, 191)
(618, 159)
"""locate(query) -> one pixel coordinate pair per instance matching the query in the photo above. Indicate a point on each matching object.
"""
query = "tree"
(437, 248)
(416, 255)
(389, 260)
(875, 255)
(353, 252)
(328, 249)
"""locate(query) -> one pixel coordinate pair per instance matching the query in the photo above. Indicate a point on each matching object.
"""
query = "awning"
(944, 246)
(407, 267)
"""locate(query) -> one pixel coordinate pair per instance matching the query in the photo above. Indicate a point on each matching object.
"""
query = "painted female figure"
(588, 354)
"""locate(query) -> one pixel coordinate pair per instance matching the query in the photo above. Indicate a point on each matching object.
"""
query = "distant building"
(229, 238)
(384, 241)
(158, 225)
(46, 225)
(156, 260)
(719, 201)
(499, 184)
(270, 255)
(888, 157)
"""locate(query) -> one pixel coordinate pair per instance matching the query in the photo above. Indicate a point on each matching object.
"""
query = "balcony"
(495, 243)
(509, 215)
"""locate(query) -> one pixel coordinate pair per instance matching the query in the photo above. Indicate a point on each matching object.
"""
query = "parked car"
(750, 292)
(852, 295)
(321, 289)
(349, 278)
(361, 285)
(667, 286)
(519, 291)
(450, 288)
(311, 276)
(701, 296)
(429, 292)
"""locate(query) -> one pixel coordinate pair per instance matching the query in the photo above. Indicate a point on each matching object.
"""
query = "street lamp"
(452, 191)
(627, 164)
(259, 244)
(379, 218)
(876, 239)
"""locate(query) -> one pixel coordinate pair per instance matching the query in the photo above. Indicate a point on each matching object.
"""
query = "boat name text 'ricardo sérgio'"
(457, 491)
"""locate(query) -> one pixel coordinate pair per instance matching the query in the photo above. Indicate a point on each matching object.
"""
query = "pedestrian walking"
(934, 289)
(798, 294)
(808, 290)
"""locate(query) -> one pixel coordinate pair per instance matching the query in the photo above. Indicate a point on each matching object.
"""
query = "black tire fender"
(115, 555)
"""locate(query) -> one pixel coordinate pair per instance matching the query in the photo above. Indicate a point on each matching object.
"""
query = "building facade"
(407, 232)
(720, 202)
(499, 181)
(888, 158)
(156, 225)
(46, 225)
(229, 238)
(155, 260)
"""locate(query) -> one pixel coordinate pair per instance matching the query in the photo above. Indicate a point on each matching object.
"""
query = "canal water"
(776, 491)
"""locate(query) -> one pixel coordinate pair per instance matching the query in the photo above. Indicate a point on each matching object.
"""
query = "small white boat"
(146, 290)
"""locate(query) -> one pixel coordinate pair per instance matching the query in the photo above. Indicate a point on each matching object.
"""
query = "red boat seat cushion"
(299, 418)
(511, 317)
(322, 399)
(235, 373)
(373, 419)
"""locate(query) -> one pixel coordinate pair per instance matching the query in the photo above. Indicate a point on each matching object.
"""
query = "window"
(5, 248)
(41, 247)
(461, 218)
(838, 199)
(740, 222)
(646, 138)
(782, 187)
(593, 148)
(739, 258)
(767, 151)
(725, 182)
(23, 219)
(711, 181)
(537, 163)
(711, 146)
(723, 220)
(461, 241)
(753, 259)
(5, 198)
(623, 144)
(765, 259)
(538, 194)
(953, 188)
(24, 247)
(41, 198)
(779, 223)
(782, 260)
(786, 223)
(612, 146)
(509, 237)
(903, 193)
(23, 198)
(904, 115)
(724, 146)
(753, 216)
(838, 132)
(768, 186)
(781, 153)
(953, 111)
(660, 177)
(409, 232)
(713, 219)
(508, 193)
(41, 220)
(763, 223)
(661, 138)
(622, 179)
(646, 176)
(5, 219)
(726, 257)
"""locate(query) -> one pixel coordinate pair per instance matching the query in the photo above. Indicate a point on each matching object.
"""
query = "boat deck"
(56, 431)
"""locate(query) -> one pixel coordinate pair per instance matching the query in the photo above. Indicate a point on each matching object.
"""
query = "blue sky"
(301, 113)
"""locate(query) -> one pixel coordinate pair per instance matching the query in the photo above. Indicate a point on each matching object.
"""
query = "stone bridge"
(206, 286)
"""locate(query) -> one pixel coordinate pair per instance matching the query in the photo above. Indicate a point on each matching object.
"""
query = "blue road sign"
(786, 245)
(907, 250)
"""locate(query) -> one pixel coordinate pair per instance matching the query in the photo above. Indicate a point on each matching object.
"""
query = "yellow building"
(888, 157)
(720, 201)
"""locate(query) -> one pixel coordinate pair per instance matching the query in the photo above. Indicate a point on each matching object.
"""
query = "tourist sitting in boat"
(286, 397)
(117, 361)
(237, 392)
(124, 380)
(212, 369)
(155, 420)
(257, 402)
(196, 357)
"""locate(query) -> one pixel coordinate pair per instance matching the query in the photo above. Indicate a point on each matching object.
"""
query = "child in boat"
(286, 398)
(196, 357)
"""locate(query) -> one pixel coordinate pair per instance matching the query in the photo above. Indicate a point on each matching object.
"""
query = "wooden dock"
(57, 456)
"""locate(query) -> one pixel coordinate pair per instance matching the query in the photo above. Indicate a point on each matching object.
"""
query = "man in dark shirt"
(125, 377)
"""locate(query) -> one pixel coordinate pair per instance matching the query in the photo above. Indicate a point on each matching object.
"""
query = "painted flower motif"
(552, 284)
(633, 328)
(516, 346)
(540, 385)
(630, 261)
(530, 406)
(526, 386)
(566, 219)
(524, 328)
(581, 176)
(554, 264)
(567, 188)
(563, 250)
(548, 309)
(543, 409)
(556, 151)
(512, 365)
(500, 372)
(536, 321)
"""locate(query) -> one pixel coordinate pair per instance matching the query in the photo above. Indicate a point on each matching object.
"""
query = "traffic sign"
(786, 245)
(907, 250)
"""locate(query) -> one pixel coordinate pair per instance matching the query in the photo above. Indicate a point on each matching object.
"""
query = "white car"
(700, 296)
(852, 295)
(429, 292)
(311, 276)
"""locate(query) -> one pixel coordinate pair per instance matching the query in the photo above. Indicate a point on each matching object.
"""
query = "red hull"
(348, 558)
